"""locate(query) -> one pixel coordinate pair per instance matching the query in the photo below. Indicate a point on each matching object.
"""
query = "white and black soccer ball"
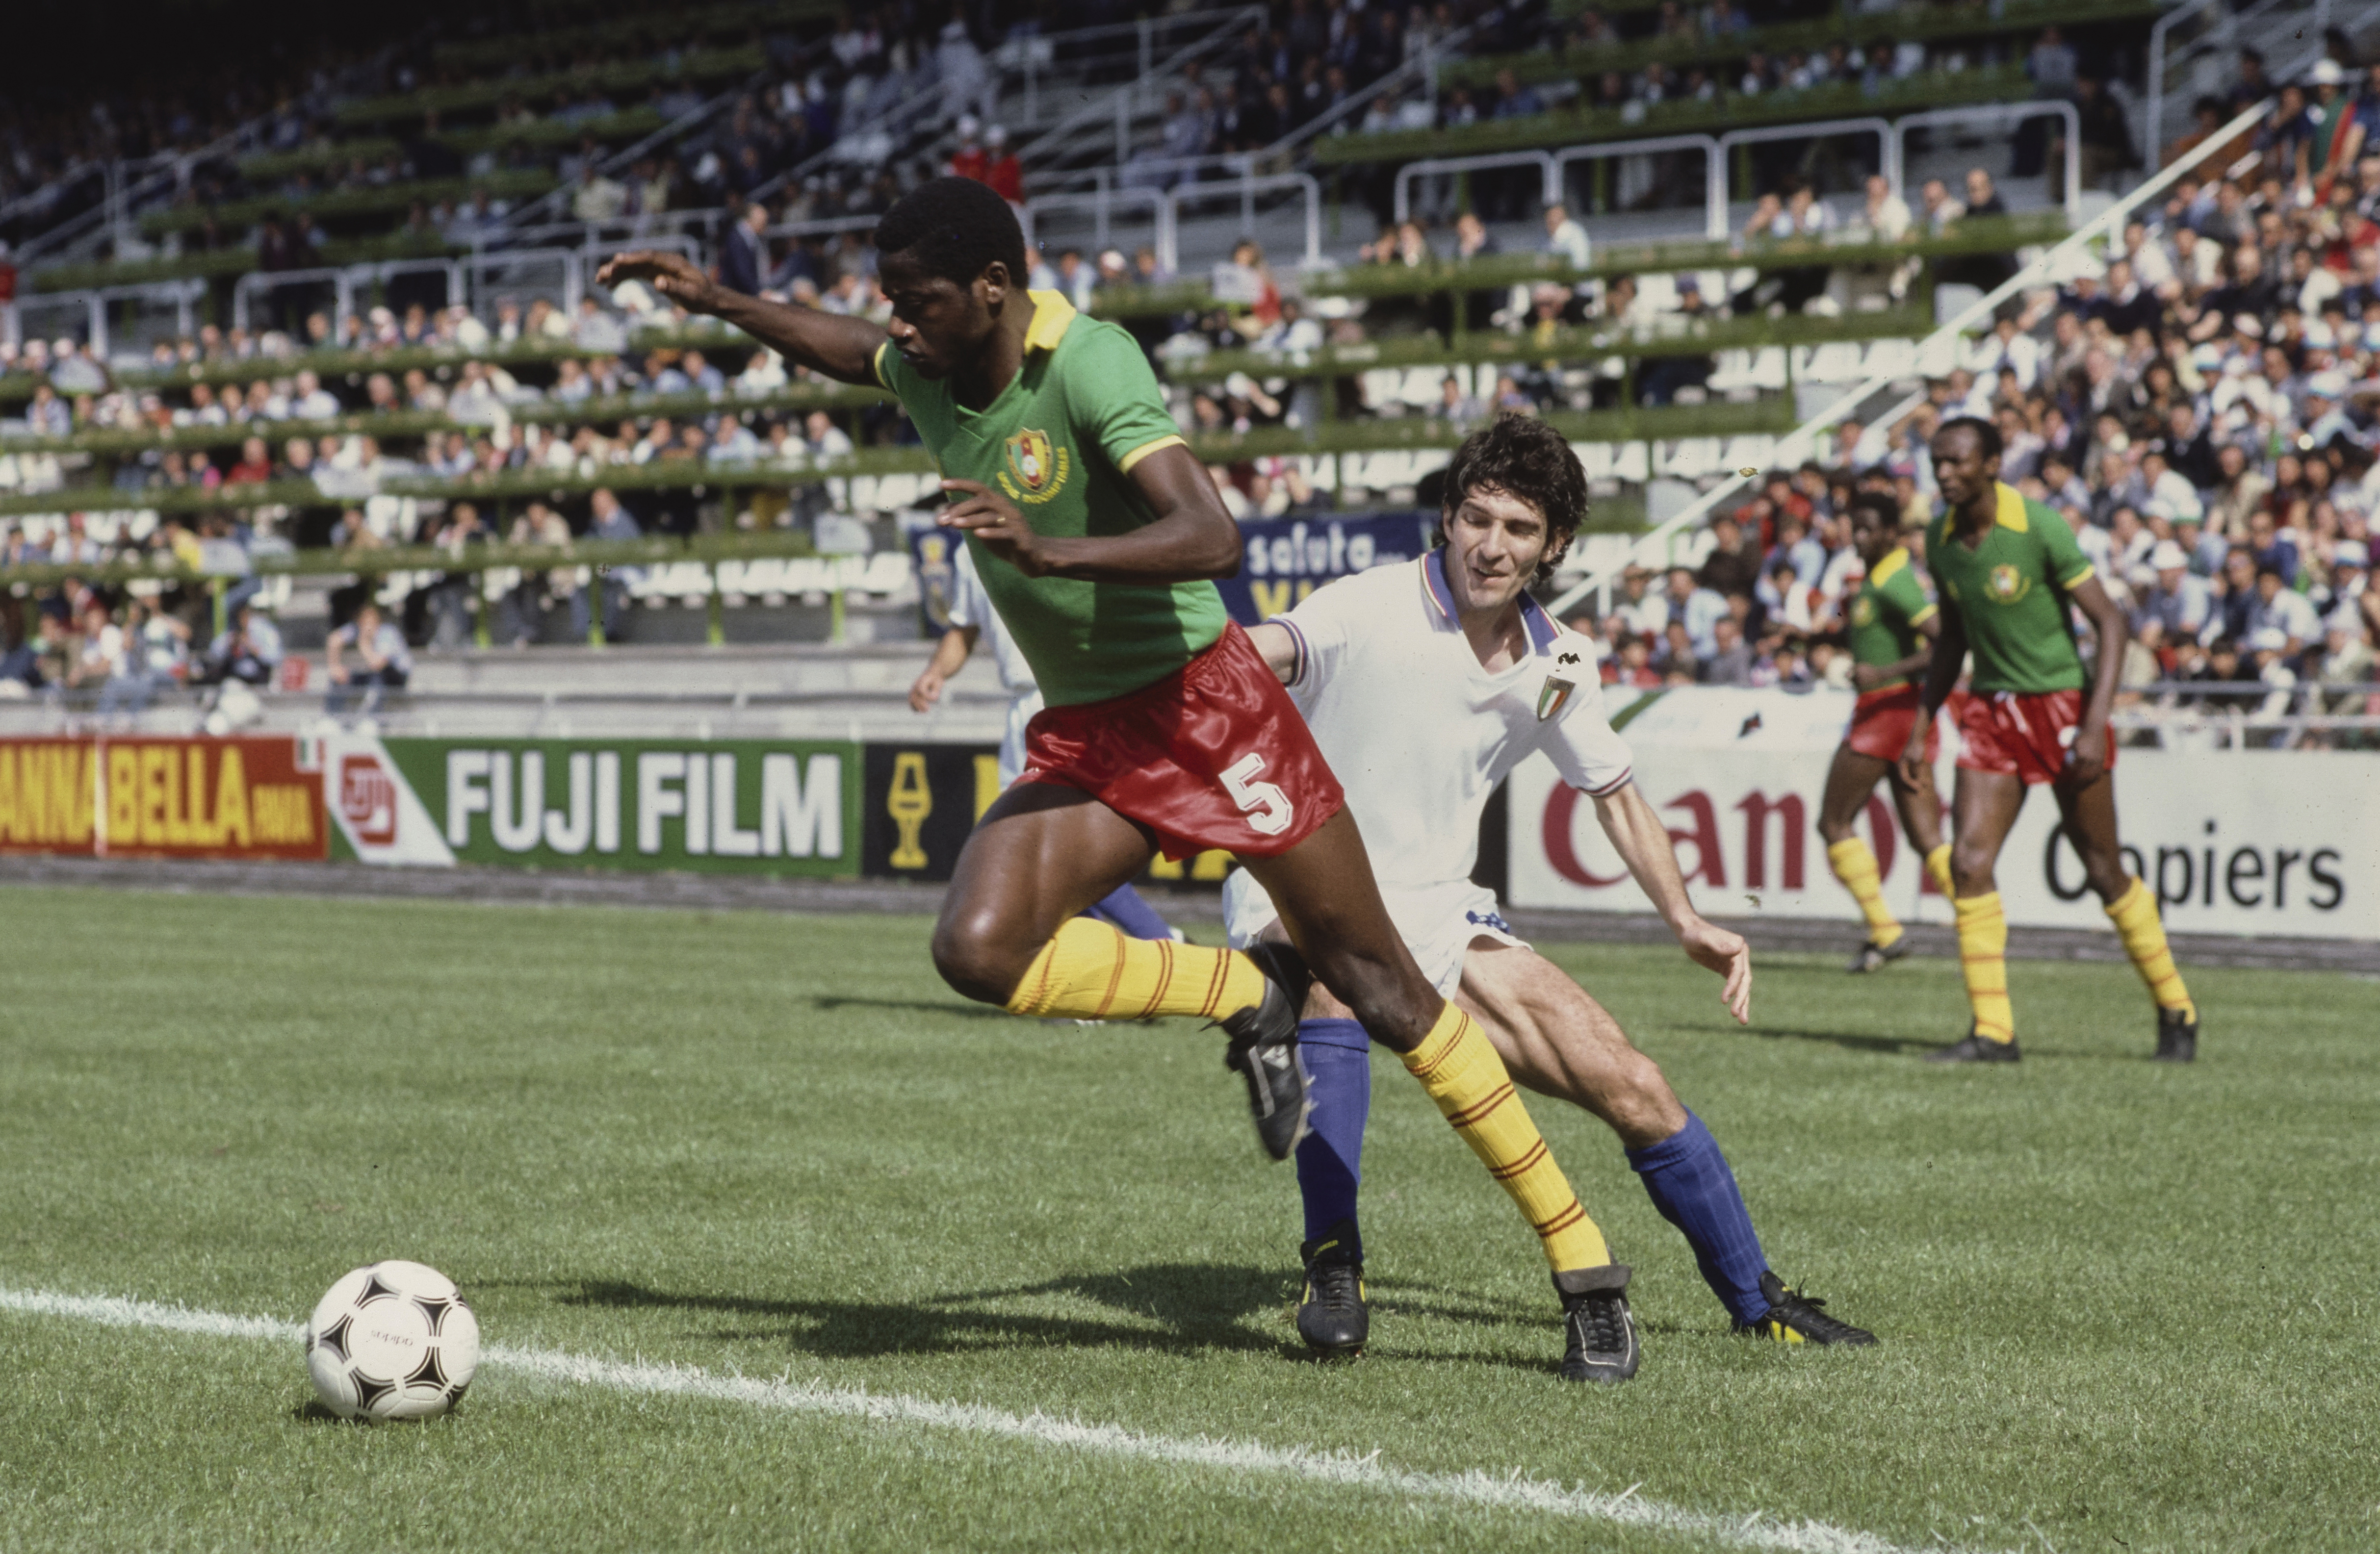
(395, 1340)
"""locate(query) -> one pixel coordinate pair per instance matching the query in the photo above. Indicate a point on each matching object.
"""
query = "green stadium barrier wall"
(2234, 842)
(768, 808)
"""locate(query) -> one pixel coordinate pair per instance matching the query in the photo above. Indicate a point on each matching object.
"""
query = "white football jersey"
(1420, 733)
(970, 606)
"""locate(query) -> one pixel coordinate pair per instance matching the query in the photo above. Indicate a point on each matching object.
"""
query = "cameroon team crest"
(1864, 612)
(1029, 456)
(1035, 468)
(2007, 585)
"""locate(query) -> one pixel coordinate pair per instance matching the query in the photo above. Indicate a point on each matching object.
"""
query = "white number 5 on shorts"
(1252, 797)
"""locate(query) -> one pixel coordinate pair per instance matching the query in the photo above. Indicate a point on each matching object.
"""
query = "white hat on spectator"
(2167, 557)
(996, 136)
(2320, 336)
(2325, 72)
(969, 126)
(2352, 553)
(2271, 638)
(2327, 385)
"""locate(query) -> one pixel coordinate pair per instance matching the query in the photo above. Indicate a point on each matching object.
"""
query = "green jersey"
(1060, 441)
(1886, 615)
(2010, 592)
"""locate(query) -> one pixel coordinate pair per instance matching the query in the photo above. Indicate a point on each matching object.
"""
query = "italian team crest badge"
(1029, 457)
(1553, 695)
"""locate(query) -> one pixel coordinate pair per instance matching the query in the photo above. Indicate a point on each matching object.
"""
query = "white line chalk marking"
(1478, 1490)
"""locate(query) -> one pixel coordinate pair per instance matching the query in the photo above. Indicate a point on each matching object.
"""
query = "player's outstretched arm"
(1277, 646)
(842, 348)
(1643, 843)
(1950, 656)
(1867, 676)
(948, 654)
(2090, 756)
(1192, 537)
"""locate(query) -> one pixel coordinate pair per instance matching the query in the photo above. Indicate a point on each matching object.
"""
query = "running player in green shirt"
(1892, 629)
(1098, 534)
(2011, 575)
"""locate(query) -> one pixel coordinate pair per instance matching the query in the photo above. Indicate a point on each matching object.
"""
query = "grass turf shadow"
(1197, 1306)
(1203, 1308)
(1885, 1045)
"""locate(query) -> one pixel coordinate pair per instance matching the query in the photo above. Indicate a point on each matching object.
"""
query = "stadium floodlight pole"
(1796, 443)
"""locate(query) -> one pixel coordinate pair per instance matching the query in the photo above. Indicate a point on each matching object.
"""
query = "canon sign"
(2252, 842)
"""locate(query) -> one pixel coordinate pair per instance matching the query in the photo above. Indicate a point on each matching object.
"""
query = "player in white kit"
(1425, 684)
(973, 622)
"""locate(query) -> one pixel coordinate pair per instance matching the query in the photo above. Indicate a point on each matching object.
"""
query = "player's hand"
(2087, 762)
(1727, 953)
(996, 523)
(1866, 676)
(925, 692)
(672, 274)
(1911, 768)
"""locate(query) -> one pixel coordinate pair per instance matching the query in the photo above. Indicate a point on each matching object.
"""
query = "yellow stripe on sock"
(1088, 970)
(1983, 957)
(1856, 867)
(1460, 1069)
(2135, 916)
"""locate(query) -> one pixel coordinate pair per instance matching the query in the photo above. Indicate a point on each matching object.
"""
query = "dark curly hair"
(1524, 457)
(954, 228)
(1886, 510)
(1987, 436)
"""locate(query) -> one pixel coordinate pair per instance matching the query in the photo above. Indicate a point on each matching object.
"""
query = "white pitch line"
(1475, 1489)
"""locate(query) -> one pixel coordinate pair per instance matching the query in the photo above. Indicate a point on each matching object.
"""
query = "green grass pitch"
(2122, 1307)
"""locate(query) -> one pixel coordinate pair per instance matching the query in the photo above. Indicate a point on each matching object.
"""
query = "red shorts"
(2022, 733)
(1214, 754)
(1881, 721)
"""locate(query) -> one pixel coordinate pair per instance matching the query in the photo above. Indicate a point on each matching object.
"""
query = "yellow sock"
(1092, 972)
(1938, 864)
(1983, 953)
(2135, 916)
(1461, 1071)
(1856, 867)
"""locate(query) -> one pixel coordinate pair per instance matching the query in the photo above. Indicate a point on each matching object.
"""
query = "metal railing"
(1714, 169)
(1822, 130)
(1450, 166)
(1422, 68)
(1102, 203)
(1995, 113)
(1796, 444)
(2225, 28)
(1120, 103)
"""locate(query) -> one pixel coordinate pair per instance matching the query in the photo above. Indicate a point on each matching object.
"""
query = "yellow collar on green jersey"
(1051, 314)
(1890, 564)
(2011, 508)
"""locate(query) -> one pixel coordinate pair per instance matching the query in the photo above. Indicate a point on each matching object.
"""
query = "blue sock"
(1137, 920)
(1688, 1180)
(1331, 1159)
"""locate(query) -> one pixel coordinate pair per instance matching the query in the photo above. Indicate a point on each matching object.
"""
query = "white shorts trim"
(1438, 923)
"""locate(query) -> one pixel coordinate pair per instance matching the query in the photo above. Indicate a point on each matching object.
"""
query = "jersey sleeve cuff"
(1924, 616)
(876, 363)
(1305, 655)
(2084, 575)
(1123, 465)
(1614, 785)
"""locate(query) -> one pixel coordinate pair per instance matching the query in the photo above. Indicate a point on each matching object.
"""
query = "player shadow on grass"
(1200, 1307)
(1197, 1308)
(1888, 1046)
(830, 1003)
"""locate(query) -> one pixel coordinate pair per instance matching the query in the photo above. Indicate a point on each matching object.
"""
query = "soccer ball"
(394, 1341)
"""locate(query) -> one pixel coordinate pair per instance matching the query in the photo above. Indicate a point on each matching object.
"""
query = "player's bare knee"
(977, 961)
(1971, 867)
(1833, 830)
